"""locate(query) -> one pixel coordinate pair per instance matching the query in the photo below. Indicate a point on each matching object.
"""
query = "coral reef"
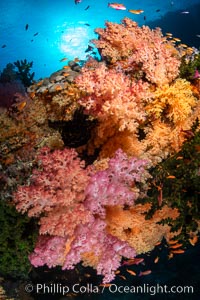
(104, 157)
(142, 120)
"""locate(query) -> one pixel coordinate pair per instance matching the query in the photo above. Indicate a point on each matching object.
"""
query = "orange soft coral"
(109, 93)
(131, 226)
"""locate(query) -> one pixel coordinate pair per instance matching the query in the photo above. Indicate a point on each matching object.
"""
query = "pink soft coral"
(92, 237)
(89, 237)
(109, 93)
(72, 201)
(48, 250)
(132, 47)
(57, 191)
(117, 185)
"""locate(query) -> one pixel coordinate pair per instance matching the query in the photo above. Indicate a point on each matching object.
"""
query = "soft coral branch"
(56, 191)
(117, 185)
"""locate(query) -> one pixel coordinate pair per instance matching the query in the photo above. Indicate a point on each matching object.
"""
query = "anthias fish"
(135, 261)
(178, 251)
(176, 246)
(136, 11)
(131, 272)
(117, 6)
(63, 59)
(144, 273)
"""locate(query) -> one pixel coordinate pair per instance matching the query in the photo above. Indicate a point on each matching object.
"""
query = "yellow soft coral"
(173, 102)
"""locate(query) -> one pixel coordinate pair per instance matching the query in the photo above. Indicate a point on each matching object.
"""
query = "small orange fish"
(156, 260)
(136, 11)
(131, 272)
(144, 273)
(117, 6)
(158, 243)
(58, 88)
(122, 276)
(134, 261)
(117, 272)
(190, 50)
(171, 177)
(32, 95)
(63, 59)
(66, 67)
(39, 83)
(87, 275)
(176, 39)
(178, 251)
(172, 242)
(179, 157)
(193, 240)
(183, 45)
(176, 246)
(76, 59)
(65, 74)
(21, 105)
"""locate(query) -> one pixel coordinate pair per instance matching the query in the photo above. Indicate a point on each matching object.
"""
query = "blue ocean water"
(46, 31)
